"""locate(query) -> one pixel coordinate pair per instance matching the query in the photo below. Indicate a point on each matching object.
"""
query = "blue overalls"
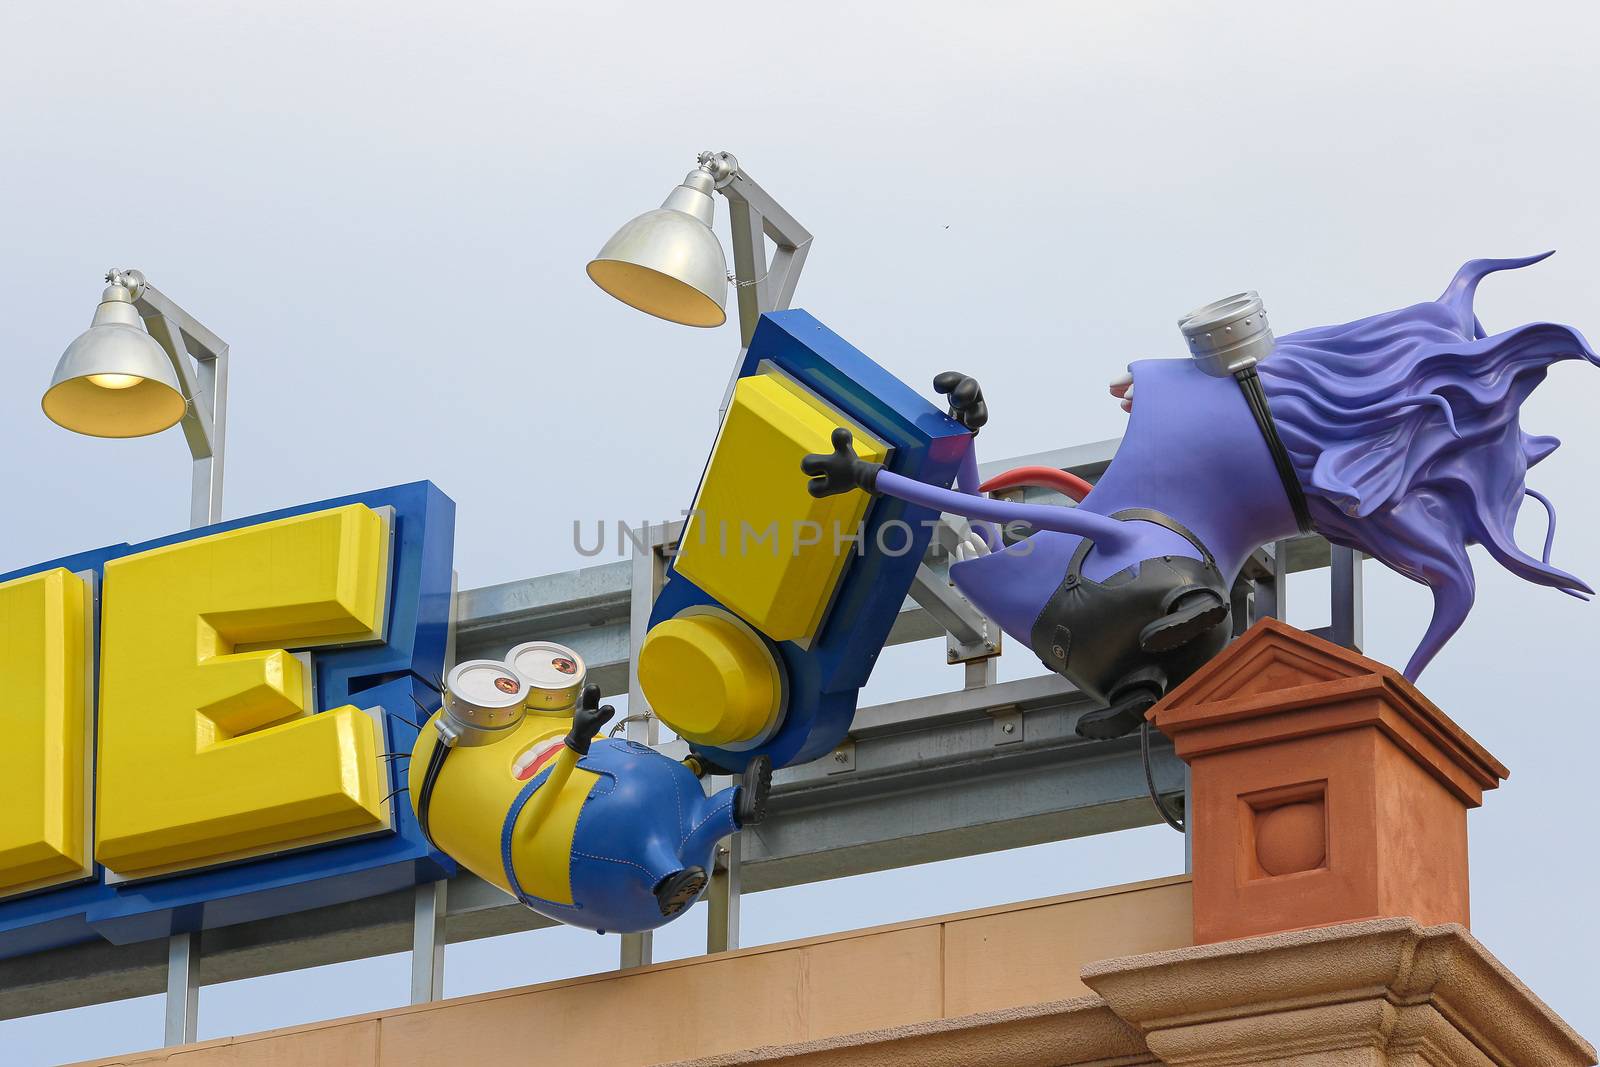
(646, 817)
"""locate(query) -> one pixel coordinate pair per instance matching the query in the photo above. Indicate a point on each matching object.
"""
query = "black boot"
(755, 785)
(1123, 716)
(1190, 614)
(678, 890)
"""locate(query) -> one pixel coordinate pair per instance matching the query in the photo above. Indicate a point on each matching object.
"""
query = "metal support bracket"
(1261, 590)
(648, 575)
(200, 359)
(183, 989)
(723, 895)
(638, 950)
(754, 216)
(843, 758)
(428, 942)
(1344, 589)
(1008, 726)
(972, 636)
(947, 533)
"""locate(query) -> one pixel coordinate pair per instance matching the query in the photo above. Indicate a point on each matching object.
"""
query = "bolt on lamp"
(669, 263)
(130, 375)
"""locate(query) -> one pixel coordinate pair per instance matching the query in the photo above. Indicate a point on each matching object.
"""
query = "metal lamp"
(130, 374)
(669, 263)
(115, 380)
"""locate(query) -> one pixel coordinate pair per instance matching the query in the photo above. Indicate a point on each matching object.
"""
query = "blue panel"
(394, 675)
(824, 681)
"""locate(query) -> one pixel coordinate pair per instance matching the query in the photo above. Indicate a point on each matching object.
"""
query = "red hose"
(1069, 485)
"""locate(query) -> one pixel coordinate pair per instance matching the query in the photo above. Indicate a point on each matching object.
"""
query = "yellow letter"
(44, 715)
(208, 751)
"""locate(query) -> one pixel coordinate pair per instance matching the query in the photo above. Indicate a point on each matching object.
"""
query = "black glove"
(588, 719)
(966, 399)
(840, 471)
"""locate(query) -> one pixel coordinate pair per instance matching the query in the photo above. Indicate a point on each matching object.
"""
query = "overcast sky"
(385, 210)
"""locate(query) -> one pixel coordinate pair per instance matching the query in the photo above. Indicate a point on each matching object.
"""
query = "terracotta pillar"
(1329, 822)
(1325, 788)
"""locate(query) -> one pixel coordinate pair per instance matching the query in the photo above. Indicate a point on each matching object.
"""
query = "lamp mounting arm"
(754, 216)
(200, 358)
(131, 280)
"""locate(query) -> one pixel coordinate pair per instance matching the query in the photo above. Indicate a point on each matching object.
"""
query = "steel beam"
(972, 635)
(928, 782)
(917, 780)
(753, 217)
(647, 571)
(591, 609)
(1087, 461)
(1345, 592)
(428, 941)
(722, 896)
(183, 989)
(586, 610)
(205, 387)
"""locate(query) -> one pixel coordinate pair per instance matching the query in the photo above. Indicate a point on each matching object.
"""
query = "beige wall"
(892, 976)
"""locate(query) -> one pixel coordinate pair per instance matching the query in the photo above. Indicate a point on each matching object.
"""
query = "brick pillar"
(1325, 789)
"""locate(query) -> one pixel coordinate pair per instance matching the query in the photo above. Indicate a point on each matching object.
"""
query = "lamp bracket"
(755, 217)
(720, 165)
(200, 358)
(131, 280)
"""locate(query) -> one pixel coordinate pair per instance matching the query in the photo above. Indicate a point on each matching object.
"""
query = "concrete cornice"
(1082, 1032)
(1387, 986)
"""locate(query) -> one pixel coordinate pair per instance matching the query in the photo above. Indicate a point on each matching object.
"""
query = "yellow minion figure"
(509, 779)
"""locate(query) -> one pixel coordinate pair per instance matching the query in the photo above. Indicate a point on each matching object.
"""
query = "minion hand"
(587, 720)
(840, 471)
(966, 398)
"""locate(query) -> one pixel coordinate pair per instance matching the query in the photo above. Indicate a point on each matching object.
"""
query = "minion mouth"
(534, 759)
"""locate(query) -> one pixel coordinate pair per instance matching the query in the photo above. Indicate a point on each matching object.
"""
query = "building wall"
(911, 973)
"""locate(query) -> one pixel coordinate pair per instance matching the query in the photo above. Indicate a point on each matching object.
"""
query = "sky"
(385, 210)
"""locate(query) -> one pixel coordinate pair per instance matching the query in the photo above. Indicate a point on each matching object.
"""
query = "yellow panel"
(208, 753)
(758, 541)
(710, 680)
(44, 713)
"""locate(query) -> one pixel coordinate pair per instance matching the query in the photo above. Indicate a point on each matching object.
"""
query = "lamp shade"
(115, 380)
(668, 262)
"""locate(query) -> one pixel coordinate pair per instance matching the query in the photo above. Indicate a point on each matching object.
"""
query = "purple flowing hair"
(1403, 430)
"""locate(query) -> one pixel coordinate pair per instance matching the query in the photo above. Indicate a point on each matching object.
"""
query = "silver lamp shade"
(115, 380)
(668, 262)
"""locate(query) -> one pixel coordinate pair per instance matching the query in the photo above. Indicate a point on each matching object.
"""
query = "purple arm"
(967, 475)
(967, 482)
(1111, 534)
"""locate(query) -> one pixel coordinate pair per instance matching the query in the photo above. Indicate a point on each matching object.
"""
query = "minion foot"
(755, 786)
(678, 890)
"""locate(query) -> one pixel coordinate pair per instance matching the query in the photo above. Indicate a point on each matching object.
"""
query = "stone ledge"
(898, 978)
(1374, 992)
(1082, 1032)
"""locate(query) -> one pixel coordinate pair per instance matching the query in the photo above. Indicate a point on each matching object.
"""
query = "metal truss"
(980, 768)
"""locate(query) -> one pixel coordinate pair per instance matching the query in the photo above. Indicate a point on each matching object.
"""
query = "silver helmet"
(1228, 335)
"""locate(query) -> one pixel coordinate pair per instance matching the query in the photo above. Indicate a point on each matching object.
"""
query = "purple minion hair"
(1403, 431)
